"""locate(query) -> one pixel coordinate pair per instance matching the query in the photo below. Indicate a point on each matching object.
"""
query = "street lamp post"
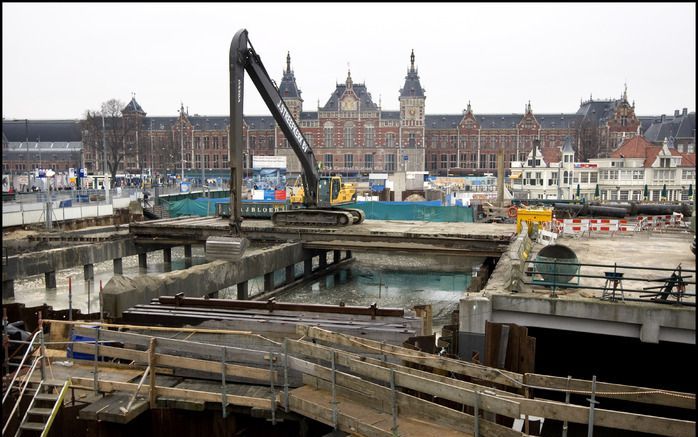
(104, 150)
(152, 161)
(181, 136)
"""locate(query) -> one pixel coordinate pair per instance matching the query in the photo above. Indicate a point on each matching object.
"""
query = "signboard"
(584, 165)
(382, 176)
(81, 172)
(261, 209)
(405, 157)
(185, 187)
(268, 172)
(268, 162)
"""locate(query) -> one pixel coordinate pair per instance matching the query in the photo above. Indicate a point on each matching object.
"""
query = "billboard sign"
(268, 173)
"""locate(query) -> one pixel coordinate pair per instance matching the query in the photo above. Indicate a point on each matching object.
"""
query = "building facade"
(353, 135)
(637, 170)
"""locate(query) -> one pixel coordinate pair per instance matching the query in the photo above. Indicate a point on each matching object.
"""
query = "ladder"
(43, 407)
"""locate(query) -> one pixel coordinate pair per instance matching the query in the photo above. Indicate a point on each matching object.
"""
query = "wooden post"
(224, 388)
(286, 375)
(273, 392)
(567, 401)
(393, 402)
(334, 391)
(476, 414)
(101, 303)
(151, 364)
(96, 371)
(6, 342)
(592, 404)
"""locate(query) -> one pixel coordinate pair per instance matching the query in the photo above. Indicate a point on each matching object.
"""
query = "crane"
(322, 196)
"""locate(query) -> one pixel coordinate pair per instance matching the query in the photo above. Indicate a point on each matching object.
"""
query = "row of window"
(331, 161)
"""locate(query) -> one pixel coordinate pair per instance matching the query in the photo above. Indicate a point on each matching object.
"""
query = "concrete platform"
(651, 250)
(477, 239)
(582, 309)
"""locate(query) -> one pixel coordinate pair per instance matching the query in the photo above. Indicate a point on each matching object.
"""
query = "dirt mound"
(415, 198)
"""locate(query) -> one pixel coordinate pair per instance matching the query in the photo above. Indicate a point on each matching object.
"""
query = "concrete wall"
(649, 322)
(122, 293)
(23, 214)
(35, 263)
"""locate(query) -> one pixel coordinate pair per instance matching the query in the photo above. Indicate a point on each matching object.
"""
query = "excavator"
(322, 196)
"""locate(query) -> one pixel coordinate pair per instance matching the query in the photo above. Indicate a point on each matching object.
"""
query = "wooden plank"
(107, 408)
(538, 407)
(607, 418)
(181, 404)
(181, 347)
(320, 413)
(109, 386)
(418, 408)
(616, 391)
(181, 362)
(421, 384)
(364, 420)
(504, 377)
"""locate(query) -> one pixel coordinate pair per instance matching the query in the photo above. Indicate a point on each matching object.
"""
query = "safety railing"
(30, 348)
(674, 286)
(23, 388)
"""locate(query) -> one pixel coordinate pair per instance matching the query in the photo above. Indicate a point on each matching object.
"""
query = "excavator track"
(357, 214)
(313, 217)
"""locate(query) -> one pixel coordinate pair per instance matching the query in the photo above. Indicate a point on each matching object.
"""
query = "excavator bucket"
(226, 248)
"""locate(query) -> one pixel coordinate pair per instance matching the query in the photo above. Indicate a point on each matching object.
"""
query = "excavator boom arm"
(244, 58)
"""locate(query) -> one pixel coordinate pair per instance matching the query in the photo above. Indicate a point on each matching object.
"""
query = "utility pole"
(152, 162)
(104, 150)
(181, 135)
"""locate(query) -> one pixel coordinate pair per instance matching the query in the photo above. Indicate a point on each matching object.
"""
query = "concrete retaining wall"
(122, 293)
(649, 322)
(29, 213)
(35, 263)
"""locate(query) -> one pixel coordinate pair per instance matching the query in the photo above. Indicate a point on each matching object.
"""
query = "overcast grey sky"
(59, 60)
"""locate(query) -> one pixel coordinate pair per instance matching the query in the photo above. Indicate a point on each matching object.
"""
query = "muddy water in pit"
(389, 280)
(395, 281)
(32, 291)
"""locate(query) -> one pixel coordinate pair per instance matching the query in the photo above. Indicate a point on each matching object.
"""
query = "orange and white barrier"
(577, 227)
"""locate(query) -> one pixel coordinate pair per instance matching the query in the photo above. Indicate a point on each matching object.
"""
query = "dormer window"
(665, 162)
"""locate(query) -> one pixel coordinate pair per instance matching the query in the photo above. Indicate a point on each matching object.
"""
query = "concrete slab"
(650, 250)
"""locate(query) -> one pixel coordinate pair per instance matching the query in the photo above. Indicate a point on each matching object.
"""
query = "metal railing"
(666, 289)
(22, 390)
(21, 364)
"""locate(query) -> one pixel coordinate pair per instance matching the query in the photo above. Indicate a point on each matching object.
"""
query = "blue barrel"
(563, 266)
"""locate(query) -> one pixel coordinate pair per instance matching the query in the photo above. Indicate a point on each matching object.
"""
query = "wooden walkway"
(359, 386)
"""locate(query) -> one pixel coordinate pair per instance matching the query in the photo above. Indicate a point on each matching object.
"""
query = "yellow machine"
(532, 216)
(331, 192)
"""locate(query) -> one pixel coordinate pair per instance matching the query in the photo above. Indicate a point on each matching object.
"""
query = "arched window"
(369, 135)
(329, 131)
(566, 177)
(349, 134)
